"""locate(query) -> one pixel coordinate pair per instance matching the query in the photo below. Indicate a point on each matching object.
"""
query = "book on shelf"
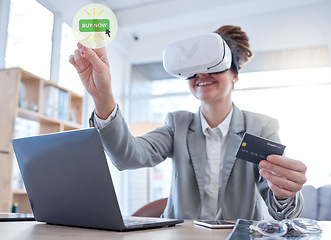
(55, 102)
(22, 96)
(63, 105)
(50, 100)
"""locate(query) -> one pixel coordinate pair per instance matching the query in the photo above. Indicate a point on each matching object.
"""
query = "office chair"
(152, 209)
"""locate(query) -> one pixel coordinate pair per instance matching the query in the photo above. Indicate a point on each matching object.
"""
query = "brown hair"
(237, 41)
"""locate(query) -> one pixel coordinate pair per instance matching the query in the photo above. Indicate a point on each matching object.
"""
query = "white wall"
(273, 30)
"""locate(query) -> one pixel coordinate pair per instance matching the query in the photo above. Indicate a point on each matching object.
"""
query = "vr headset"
(207, 53)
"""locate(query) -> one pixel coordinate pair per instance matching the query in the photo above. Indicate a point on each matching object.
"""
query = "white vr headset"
(207, 53)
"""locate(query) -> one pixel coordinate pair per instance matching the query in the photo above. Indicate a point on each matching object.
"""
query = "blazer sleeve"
(294, 206)
(129, 152)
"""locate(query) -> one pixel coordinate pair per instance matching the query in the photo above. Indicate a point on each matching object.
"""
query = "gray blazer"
(182, 140)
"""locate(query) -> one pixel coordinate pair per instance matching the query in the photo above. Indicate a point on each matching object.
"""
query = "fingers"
(98, 56)
(287, 162)
(281, 181)
(281, 193)
(291, 169)
(98, 64)
(72, 61)
(285, 176)
(79, 61)
(79, 45)
(101, 52)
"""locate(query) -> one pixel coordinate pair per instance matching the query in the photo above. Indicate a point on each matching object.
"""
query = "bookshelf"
(47, 106)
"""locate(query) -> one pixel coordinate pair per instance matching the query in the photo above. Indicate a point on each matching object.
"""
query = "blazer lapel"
(197, 150)
(237, 128)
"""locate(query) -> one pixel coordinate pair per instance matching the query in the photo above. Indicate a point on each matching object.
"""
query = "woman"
(207, 180)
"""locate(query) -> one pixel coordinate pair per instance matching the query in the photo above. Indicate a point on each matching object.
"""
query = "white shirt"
(100, 123)
(215, 149)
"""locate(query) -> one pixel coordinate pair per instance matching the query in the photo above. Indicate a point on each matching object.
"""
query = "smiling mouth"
(205, 83)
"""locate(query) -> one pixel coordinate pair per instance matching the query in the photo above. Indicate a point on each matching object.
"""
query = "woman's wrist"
(104, 108)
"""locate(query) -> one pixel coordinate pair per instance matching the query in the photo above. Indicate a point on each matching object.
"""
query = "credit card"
(254, 148)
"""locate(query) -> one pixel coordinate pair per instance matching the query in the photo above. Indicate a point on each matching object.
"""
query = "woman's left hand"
(285, 176)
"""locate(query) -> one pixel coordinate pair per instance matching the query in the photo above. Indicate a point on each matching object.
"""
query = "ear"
(235, 78)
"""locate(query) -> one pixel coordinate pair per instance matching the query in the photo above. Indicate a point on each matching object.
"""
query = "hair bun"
(238, 42)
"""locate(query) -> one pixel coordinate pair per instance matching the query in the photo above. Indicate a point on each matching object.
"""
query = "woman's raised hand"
(93, 68)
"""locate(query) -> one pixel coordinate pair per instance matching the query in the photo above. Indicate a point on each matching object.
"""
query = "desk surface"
(184, 231)
(41, 231)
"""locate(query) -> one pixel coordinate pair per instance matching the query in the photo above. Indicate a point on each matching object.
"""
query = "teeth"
(204, 83)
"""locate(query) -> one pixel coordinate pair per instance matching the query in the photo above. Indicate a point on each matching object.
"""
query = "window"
(68, 76)
(156, 98)
(29, 43)
(298, 99)
(150, 101)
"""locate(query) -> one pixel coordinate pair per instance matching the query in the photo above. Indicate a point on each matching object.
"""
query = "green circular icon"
(95, 25)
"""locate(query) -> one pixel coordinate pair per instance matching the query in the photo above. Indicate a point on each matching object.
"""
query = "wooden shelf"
(35, 116)
(18, 192)
(48, 121)
(30, 97)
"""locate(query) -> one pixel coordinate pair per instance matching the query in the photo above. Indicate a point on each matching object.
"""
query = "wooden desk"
(184, 231)
(41, 231)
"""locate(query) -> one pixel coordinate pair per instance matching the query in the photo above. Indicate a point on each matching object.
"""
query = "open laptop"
(68, 182)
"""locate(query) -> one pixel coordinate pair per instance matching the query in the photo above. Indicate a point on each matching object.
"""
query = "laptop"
(68, 182)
